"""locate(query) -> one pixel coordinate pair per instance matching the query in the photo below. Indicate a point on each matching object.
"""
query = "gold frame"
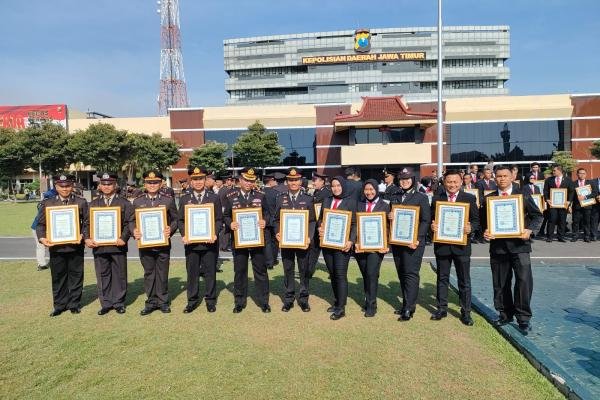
(326, 212)
(474, 192)
(556, 190)
(415, 234)
(305, 242)
(211, 209)
(542, 201)
(486, 192)
(383, 216)
(317, 207)
(520, 203)
(234, 214)
(75, 209)
(138, 213)
(93, 224)
(438, 206)
(586, 202)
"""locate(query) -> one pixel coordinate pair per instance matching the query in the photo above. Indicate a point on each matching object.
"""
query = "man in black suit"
(321, 193)
(200, 256)
(557, 216)
(446, 254)
(110, 261)
(270, 241)
(390, 188)
(354, 183)
(529, 186)
(485, 184)
(66, 260)
(512, 255)
(582, 214)
(536, 171)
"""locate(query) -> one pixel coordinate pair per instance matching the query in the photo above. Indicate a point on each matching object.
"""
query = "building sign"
(20, 117)
(356, 58)
(362, 41)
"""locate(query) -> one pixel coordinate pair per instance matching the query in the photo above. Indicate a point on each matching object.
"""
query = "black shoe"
(397, 312)
(572, 240)
(304, 307)
(405, 315)
(466, 319)
(592, 239)
(502, 320)
(438, 315)
(339, 313)
(165, 309)
(370, 312)
(189, 308)
(103, 311)
(42, 267)
(148, 310)
(56, 312)
(120, 310)
(332, 309)
(211, 308)
(524, 327)
(563, 240)
(265, 308)
(270, 267)
(287, 307)
(219, 269)
(586, 240)
(238, 309)
(75, 310)
(549, 240)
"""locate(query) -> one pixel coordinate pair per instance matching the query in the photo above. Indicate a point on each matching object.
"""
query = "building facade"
(344, 66)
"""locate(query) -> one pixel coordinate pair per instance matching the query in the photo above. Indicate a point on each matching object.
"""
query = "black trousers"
(582, 219)
(595, 216)
(195, 262)
(270, 246)
(289, 258)
(369, 265)
(408, 265)
(544, 229)
(111, 278)
(503, 267)
(462, 265)
(156, 276)
(224, 238)
(314, 249)
(557, 217)
(240, 280)
(337, 265)
(67, 279)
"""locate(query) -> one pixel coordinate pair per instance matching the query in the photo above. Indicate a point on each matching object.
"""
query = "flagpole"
(440, 126)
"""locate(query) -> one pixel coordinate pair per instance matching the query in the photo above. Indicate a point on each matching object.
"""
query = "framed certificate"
(293, 229)
(540, 184)
(317, 207)
(151, 222)
(336, 224)
(372, 231)
(486, 192)
(451, 219)
(248, 233)
(558, 198)
(62, 224)
(405, 225)
(538, 199)
(585, 191)
(474, 192)
(199, 222)
(505, 217)
(105, 225)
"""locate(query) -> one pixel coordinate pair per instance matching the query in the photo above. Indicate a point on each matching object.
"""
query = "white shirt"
(373, 202)
(507, 191)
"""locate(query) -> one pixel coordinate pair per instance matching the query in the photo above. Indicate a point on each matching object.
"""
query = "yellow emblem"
(151, 175)
(293, 172)
(196, 170)
(251, 171)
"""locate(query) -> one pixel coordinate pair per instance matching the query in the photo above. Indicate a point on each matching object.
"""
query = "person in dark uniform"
(486, 183)
(353, 183)
(200, 256)
(557, 216)
(529, 186)
(390, 188)
(185, 187)
(582, 215)
(369, 262)
(225, 233)
(296, 200)
(246, 197)
(320, 193)
(66, 260)
(508, 256)
(270, 240)
(155, 260)
(337, 260)
(110, 261)
(166, 190)
(446, 254)
(408, 258)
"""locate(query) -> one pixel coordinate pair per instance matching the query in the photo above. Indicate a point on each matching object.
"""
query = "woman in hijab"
(369, 261)
(337, 260)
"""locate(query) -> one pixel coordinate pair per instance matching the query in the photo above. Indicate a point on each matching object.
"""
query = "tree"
(565, 160)
(211, 155)
(101, 146)
(149, 151)
(13, 155)
(257, 147)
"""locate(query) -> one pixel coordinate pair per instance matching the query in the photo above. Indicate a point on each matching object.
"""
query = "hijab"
(344, 186)
(375, 185)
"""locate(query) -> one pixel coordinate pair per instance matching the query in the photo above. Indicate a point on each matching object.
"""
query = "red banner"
(20, 117)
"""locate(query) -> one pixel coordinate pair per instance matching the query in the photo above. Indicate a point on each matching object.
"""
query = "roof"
(382, 109)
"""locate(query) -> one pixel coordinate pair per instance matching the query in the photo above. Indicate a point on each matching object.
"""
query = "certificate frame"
(209, 232)
(540, 184)
(249, 218)
(362, 218)
(115, 214)
(538, 199)
(317, 207)
(343, 216)
(445, 208)
(474, 192)
(518, 223)
(406, 211)
(559, 191)
(71, 212)
(287, 242)
(159, 214)
(584, 191)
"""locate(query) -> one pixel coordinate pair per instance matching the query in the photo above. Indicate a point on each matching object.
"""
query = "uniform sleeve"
(218, 216)
(275, 217)
(312, 218)
(227, 214)
(424, 219)
(181, 216)
(473, 214)
(128, 220)
(353, 222)
(84, 215)
(172, 216)
(40, 229)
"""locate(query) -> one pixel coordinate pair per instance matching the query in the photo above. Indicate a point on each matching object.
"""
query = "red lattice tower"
(173, 92)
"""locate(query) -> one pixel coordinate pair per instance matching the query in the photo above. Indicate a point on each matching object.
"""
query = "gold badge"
(293, 172)
(151, 175)
(251, 171)
(196, 170)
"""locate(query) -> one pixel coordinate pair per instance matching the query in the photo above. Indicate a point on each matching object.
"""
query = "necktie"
(107, 201)
(336, 202)
(370, 206)
(557, 181)
(581, 183)
(452, 197)
(65, 202)
(532, 188)
(504, 194)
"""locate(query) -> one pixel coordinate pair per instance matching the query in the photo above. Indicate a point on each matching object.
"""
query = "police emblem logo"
(196, 170)
(251, 171)
(405, 171)
(63, 178)
(105, 176)
(293, 172)
(362, 40)
(151, 175)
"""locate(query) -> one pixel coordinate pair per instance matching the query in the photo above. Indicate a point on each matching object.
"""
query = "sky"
(104, 55)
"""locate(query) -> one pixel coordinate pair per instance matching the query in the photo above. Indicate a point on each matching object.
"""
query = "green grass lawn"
(16, 218)
(250, 355)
